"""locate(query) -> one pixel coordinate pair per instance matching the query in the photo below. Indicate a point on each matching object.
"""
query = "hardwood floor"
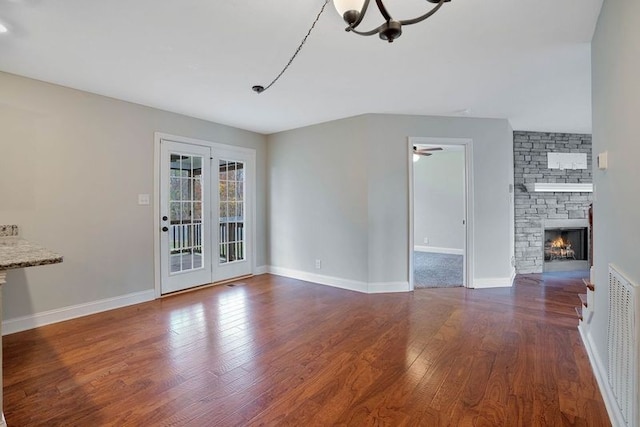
(276, 351)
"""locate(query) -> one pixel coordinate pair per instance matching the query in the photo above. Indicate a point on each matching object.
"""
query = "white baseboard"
(435, 249)
(385, 287)
(600, 372)
(24, 323)
(263, 269)
(337, 282)
(495, 282)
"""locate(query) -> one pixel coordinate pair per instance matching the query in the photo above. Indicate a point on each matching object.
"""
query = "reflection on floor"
(434, 270)
(576, 274)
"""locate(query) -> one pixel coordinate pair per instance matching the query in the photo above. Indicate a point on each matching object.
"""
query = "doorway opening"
(440, 231)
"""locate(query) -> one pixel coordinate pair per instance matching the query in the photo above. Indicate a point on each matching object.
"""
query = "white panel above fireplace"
(567, 160)
(560, 187)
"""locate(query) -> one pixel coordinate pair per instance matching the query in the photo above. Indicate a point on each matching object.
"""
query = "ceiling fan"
(425, 151)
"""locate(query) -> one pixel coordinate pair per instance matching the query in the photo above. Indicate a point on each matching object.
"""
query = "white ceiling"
(525, 60)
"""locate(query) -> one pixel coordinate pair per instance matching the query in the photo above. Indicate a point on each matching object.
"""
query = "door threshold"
(206, 285)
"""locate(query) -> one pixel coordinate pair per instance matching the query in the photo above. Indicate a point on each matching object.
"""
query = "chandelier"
(353, 12)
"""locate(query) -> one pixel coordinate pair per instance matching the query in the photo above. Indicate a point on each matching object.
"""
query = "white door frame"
(158, 137)
(468, 208)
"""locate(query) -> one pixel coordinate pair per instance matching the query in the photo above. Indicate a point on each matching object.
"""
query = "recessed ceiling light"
(3, 29)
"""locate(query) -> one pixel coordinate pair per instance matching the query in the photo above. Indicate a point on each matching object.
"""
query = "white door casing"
(468, 202)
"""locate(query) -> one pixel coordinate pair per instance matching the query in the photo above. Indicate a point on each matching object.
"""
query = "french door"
(232, 220)
(206, 221)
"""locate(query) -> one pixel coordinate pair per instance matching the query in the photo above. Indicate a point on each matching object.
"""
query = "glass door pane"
(231, 225)
(185, 213)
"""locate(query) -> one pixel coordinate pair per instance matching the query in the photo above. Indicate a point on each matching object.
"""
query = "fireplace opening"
(566, 248)
(565, 244)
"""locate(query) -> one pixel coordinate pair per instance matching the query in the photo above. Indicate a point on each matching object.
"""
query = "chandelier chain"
(260, 88)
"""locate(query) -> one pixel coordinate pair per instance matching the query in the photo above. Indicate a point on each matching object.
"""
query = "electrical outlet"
(318, 264)
(426, 240)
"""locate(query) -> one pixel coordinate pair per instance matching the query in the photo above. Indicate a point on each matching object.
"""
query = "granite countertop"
(18, 253)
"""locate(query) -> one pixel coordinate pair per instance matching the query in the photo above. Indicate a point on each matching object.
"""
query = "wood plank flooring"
(275, 351)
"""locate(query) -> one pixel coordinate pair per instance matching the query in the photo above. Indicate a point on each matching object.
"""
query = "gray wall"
(73, 163)
(388, 193)
(71, 167)
(530, 166)
(370, 155)
(318, 199)
(616, 103)
(438, 197)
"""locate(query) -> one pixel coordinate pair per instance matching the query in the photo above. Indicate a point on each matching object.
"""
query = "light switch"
(603, 160)
(144, 199)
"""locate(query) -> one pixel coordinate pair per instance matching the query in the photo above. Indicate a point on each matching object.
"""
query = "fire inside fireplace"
(565, 244)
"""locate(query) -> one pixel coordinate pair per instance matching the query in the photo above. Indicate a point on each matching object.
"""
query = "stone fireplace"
(537, 213)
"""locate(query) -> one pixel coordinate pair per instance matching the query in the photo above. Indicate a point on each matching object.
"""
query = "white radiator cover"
(623, 339)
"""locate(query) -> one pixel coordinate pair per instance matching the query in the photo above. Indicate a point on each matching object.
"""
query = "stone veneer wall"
(530, 165)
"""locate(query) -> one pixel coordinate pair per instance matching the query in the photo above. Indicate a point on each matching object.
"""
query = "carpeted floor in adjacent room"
(434, 270)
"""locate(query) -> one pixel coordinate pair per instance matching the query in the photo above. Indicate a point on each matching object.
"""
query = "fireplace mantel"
(559, 187)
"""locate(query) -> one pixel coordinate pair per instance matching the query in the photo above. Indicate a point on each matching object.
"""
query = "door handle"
(164, 218)
(165, 229)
